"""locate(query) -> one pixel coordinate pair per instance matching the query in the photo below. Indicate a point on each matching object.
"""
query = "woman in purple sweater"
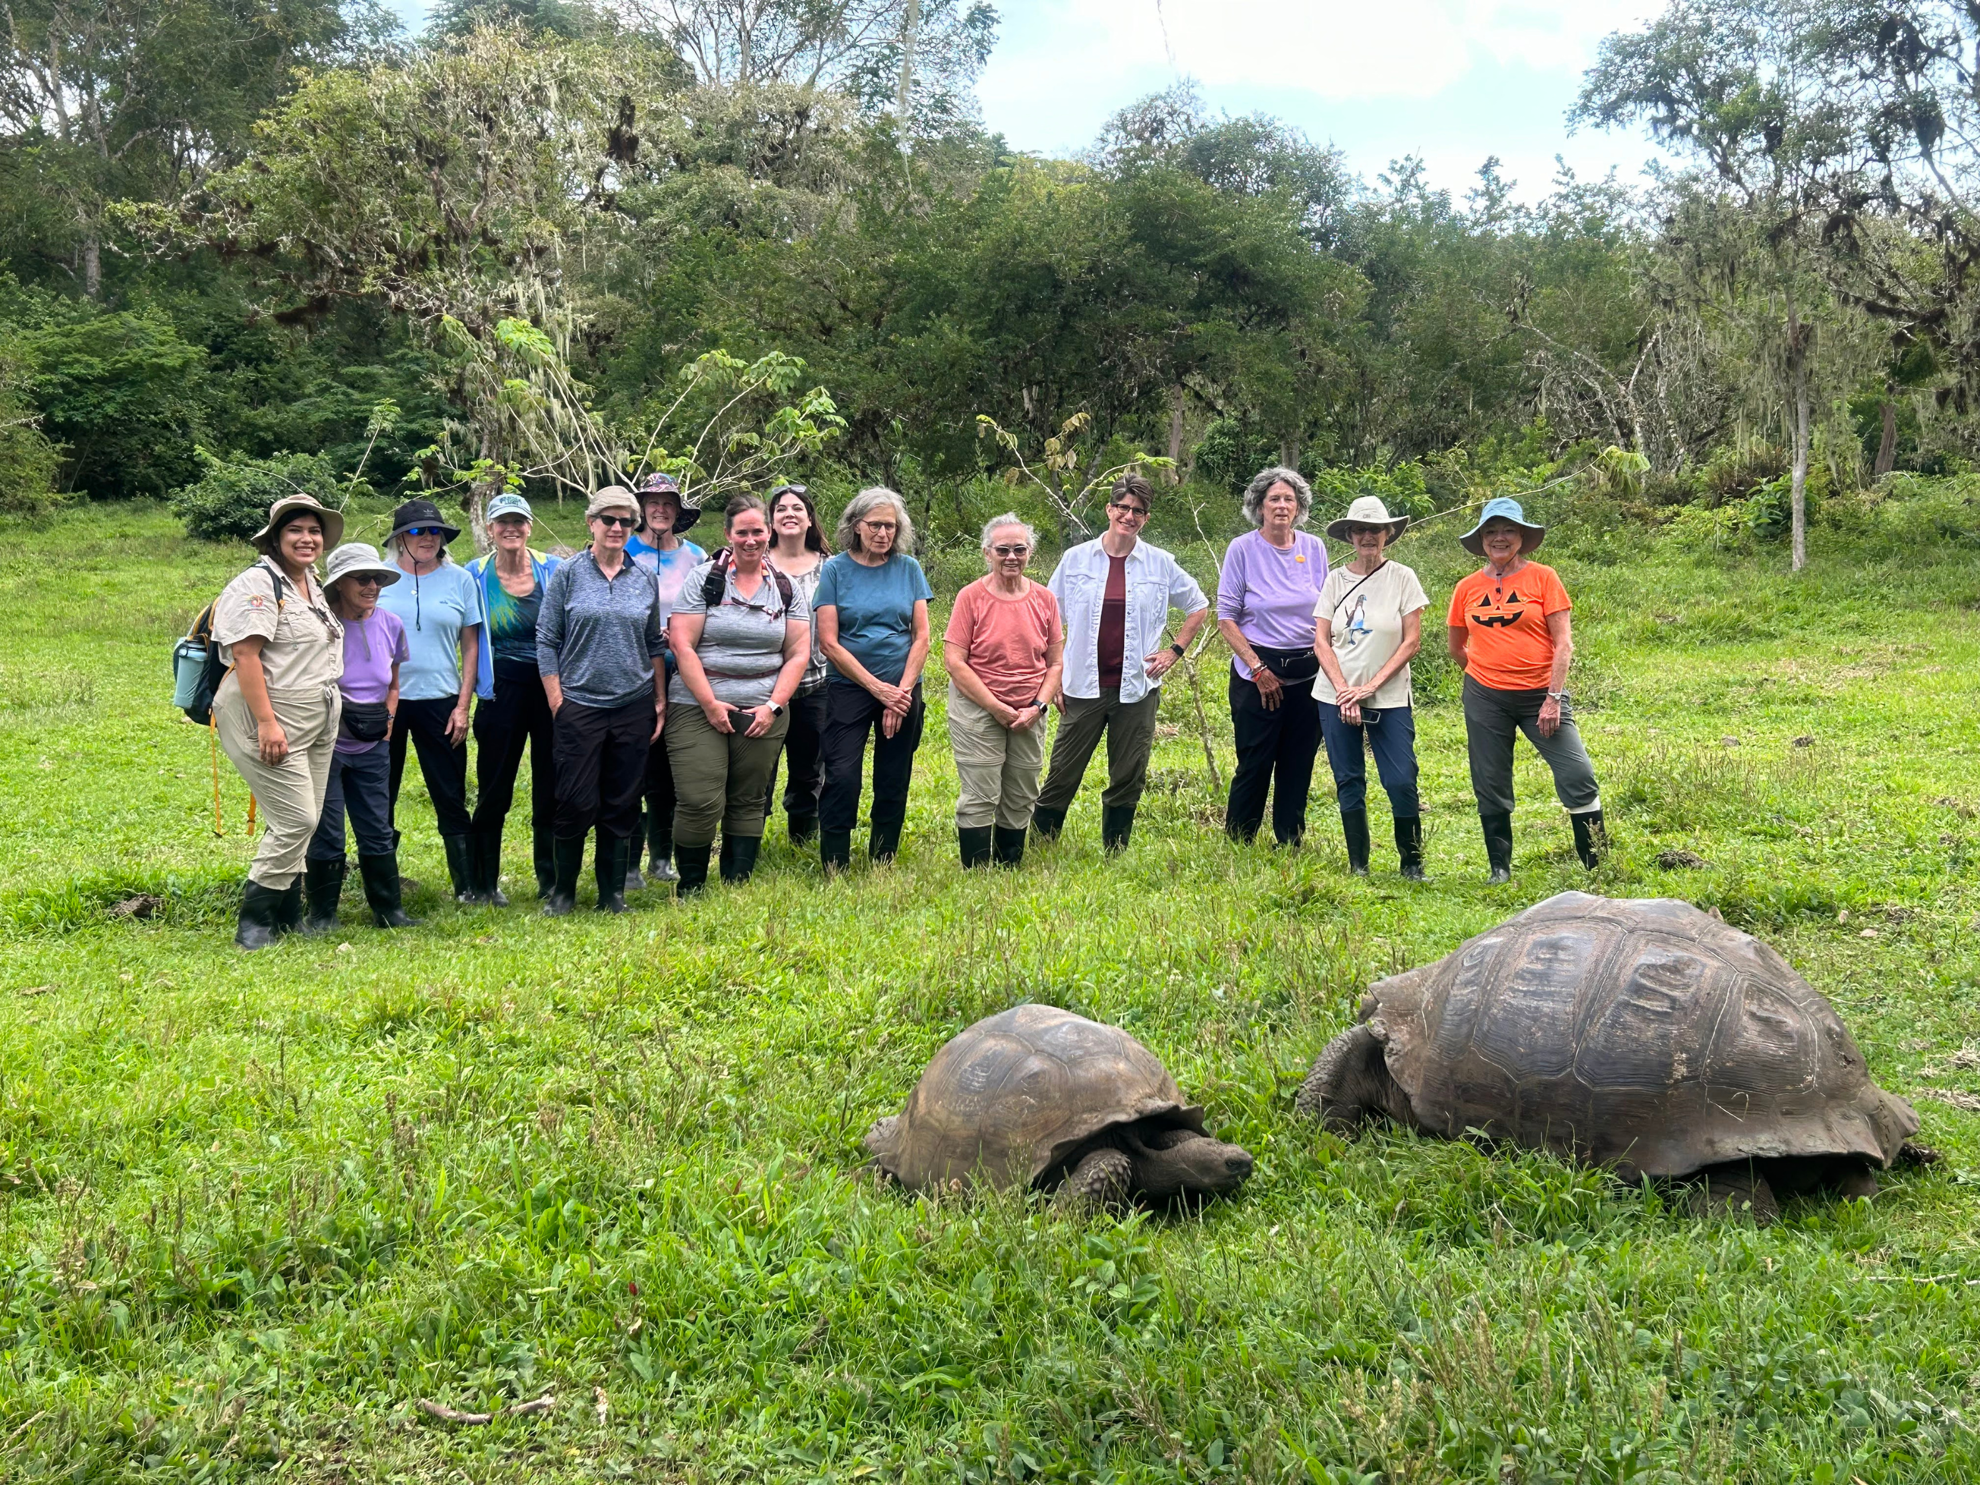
(1265, 595)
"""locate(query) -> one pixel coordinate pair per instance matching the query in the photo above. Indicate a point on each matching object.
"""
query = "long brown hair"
(814, 537)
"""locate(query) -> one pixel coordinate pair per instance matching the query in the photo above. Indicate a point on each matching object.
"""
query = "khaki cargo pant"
(998, 766)
(290, 794)
(720, 779)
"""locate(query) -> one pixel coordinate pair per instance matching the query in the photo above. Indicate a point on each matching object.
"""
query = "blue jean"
(1391, 735)
(360, 786)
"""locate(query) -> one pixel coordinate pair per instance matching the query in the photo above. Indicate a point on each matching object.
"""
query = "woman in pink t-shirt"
(1004, 649)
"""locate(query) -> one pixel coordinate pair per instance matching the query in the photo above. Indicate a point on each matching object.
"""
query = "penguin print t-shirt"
(1507, 646)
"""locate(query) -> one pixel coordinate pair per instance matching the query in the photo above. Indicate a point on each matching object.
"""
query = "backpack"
(197, 668)
(716, 583)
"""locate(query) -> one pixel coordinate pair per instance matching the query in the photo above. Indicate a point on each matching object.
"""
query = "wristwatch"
(1178, 651)
(776, 710)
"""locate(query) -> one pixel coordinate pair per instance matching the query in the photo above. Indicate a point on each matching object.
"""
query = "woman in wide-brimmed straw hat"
(1368, 625)
(1509, 631)
(440, 605)
(359, 785)
(276, 711)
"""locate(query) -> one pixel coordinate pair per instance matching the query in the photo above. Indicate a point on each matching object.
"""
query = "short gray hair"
(1261, 486)
(1009, 518)
(862, 505)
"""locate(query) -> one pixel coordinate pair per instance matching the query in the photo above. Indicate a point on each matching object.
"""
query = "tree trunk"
(1887, 447)
(1175, 435)
(1801, 334)
(910, 24)
(92, 266)
(1289, 450)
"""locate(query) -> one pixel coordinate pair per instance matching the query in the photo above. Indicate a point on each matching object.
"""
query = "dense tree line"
(254, 232)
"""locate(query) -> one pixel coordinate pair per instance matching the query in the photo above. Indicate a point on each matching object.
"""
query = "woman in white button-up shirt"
(1115, 594)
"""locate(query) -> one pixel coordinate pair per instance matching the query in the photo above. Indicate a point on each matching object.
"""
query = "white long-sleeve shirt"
(1156, 583)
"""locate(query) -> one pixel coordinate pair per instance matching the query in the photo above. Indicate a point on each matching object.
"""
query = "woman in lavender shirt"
(1265, 595)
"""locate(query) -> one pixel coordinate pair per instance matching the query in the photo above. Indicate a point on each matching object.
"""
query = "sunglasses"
(783, 490)
(423, 531)
(1127, 510)
(368, 580)
(1011, 551)
(628, 522)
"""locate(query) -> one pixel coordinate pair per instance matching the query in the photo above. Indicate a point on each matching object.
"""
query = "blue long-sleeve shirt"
(600, 636)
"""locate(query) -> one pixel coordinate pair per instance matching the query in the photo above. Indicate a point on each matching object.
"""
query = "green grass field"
(252, 1208)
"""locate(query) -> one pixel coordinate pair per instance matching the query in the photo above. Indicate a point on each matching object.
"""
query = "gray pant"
(1130, 729)
(1492, 719)
(997, 766)
(720, 779)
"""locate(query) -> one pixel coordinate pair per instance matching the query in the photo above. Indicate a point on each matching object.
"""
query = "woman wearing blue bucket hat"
(1510, 634)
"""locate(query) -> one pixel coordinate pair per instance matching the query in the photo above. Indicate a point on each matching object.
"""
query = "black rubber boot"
(739, 857)
(380, 875)
(692, 864)
(608, 866)
(1498, 845)
(1048, 823)
(289, 908)
(1008, 845)
(567, 859)
(1409, 848)
(543, 855)
(1354, 826)
(259, 904)
(973, 842)
(659, 848)
(460, 866)
(634, 881)
(323, 884)
(488, 868)
(884, 844)
(835, 850)
(1591, 839)
(1116, 826)
(804, 829)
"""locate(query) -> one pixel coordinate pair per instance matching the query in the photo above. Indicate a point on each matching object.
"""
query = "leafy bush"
(29, 463)
(1735, 471)
(1230, 455)
(230, 502)
(1402, 489)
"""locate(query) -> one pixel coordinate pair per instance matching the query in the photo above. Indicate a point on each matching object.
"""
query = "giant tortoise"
(1642, 1035)
(1036, 1096)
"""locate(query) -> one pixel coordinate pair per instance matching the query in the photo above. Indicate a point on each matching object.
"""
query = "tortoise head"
(1171, 1163)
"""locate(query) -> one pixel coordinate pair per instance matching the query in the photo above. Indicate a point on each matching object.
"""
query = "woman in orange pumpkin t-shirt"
(1509, 630)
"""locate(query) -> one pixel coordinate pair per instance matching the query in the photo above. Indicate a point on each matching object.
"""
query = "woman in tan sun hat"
(278, 707)
(1368, 625)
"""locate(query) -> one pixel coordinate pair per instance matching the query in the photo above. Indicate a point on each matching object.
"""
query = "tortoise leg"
(1739, 1191)
(1913, 1153)
(1349, 1082)
(1860, 1182)
(1103, 1179)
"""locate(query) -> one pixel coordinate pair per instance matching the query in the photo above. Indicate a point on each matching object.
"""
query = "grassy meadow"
(254, 1208)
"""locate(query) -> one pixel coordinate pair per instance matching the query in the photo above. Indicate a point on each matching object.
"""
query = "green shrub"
(1402, 489)
(29, 463)
(230, 503)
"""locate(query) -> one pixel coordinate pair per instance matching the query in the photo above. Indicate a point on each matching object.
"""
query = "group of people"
(657, 688)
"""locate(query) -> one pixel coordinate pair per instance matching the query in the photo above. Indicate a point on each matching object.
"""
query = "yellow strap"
(250, 814)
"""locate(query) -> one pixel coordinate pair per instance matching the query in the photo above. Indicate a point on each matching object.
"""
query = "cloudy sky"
(1450, 80)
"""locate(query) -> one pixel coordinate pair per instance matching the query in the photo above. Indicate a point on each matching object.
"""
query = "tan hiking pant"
(290, 794)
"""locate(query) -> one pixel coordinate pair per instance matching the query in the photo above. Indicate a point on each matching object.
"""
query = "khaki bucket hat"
(333, 521)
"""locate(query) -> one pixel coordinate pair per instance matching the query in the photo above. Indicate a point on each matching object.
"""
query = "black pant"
(1275, 750)
(852, 712)
(357, 787)
(801, 749)
(1391, 736)
(442, 764)
(517, 716)
(601, 767)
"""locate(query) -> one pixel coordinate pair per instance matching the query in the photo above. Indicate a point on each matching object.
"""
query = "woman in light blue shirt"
(440, 605)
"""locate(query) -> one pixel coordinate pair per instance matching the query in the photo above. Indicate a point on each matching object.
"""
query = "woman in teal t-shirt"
(872, 619)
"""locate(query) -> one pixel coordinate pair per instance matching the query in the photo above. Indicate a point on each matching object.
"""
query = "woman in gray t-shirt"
(740, 636)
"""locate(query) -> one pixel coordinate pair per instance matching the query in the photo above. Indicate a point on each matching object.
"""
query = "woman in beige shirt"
(277, 709)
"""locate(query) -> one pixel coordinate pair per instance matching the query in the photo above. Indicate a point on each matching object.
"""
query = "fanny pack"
(365, 721)
(1290, 666)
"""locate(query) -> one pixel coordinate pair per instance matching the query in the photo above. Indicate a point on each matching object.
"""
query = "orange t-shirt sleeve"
(1553, 597)
(962, 619)
(1456, 619)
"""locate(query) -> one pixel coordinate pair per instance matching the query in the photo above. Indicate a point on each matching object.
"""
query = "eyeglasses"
(613, 522)
(879, 526)
(1011, 551)
(1128, 510)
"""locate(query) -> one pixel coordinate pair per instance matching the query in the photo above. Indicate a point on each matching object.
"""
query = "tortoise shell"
(1012, 1097)
(1640, 1034)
